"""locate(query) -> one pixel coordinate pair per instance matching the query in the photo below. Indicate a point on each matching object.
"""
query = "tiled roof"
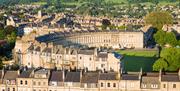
(11, 75)
(86, 52)
(170, 78)
(25, 73)
(38, 48)
(72, 77)
(130, 77)
(56, 76)
(108, 76)
(102, 55)
(90, 77)
(47, 50)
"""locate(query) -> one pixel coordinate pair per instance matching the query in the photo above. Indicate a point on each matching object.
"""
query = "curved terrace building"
(96, 39)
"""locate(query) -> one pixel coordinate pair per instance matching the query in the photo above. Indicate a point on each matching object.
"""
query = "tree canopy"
(163, 38)
(156, 20)
(169, 60)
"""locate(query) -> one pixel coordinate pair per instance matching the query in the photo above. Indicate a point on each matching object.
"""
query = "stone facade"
(61, 80)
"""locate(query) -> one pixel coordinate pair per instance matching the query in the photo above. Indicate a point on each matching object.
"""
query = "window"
(102, 65)
(8, 89)
(90, 59)
(13, 89)
(44, 83)
(39, 83)
(164, 86)
(144, 85)
(80, 58)
(21, 82)
(34, 83)
(154, 86)
(101, 84)
(174, 85)
(25, 82)
(109, 85)
(114, 84)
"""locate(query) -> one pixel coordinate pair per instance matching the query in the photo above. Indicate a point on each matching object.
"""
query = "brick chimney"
(160, 73)
(140, 73)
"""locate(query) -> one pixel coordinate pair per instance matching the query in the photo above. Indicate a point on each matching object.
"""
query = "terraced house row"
(83, 80)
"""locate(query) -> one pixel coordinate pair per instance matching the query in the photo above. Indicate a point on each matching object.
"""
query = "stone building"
(81, 80)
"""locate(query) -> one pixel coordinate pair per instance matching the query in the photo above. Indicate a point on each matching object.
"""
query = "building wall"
(108, 39)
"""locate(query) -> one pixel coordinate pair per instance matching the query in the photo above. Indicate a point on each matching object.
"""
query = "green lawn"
(134, 60)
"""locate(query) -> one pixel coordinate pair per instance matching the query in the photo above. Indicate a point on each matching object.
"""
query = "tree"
(2, 35)
(158, 18)
(105, 23)
(160, 64)
(160, 37)
(9, 29)
(171, 57)
(171, 39)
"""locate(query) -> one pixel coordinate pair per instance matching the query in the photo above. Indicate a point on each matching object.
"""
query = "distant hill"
(12, 2)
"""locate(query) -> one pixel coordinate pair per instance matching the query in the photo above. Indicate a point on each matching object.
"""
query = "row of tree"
(169, 59)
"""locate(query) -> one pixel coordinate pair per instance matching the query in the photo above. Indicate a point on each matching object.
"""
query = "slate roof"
(41, 71)
(25, 74)
(1, 74)
(72, 77)
(90, 77)
(86, 52)
(108, 76)
(130, 77)
(31, 47)
(173, 77)
(56, 76)
(11, 75)
(47, 50)
(38, 48)
(102, 55)
(150, 80)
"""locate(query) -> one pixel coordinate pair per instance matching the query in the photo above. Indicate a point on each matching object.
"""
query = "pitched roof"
(72, 77)
(56, 76)
(170, 77)
(38, 48)
(11, 75)
(130, 77)
(1, 74)
(90, 77)
(150, 80)
(47, 50)
(25, 73)
(102, 55)
(108, 76)
(86, 52)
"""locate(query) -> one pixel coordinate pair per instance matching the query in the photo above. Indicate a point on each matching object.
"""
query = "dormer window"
(144, 85)
(154, 86)
(21, 82)
(25, 82)
(174, 85)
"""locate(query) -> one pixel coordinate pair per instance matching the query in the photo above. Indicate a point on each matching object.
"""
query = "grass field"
(134, 60)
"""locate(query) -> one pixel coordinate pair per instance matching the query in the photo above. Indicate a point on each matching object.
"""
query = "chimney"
(95, 51)
(3, 73)
(140, 73)
(160, 73)
(18, 71)
(63, 75)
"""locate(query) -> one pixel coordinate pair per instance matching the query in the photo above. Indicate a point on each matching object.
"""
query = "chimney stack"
(140, 73)
(160, 73)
